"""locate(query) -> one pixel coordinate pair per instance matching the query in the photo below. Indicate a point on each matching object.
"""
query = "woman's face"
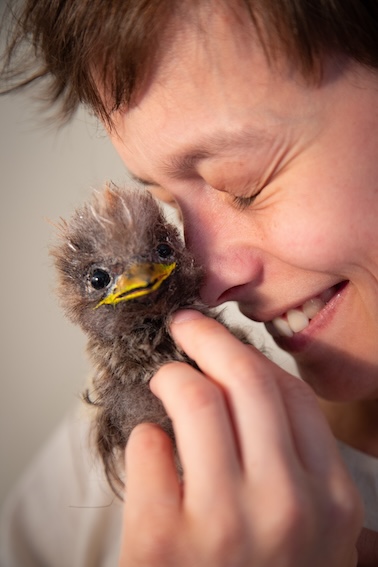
(277, 184)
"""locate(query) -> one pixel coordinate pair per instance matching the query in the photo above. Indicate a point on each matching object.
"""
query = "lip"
(302, 340)
(267, 316)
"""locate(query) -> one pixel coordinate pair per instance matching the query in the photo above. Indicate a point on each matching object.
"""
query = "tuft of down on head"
(105, 238)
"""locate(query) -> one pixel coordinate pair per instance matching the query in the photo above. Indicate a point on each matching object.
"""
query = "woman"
(260, 122)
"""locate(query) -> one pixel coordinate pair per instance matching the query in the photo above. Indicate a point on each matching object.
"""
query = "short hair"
(121, 40)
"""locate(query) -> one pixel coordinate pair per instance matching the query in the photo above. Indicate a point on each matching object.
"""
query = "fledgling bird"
(123, 270)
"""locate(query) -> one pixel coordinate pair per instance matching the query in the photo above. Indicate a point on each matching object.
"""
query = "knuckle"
(293, 520)
(227, 539)
(253, 374)
(200, 394)
(289, 524)
(306, 518)
(345, 511)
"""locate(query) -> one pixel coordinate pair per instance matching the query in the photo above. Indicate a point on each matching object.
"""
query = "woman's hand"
(263, 482)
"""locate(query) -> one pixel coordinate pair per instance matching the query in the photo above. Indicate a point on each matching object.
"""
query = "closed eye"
(242, 203)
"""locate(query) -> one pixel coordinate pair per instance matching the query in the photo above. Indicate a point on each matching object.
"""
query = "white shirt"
(62, 513)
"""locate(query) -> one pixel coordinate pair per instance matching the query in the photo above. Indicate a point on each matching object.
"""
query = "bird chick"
(123, 270)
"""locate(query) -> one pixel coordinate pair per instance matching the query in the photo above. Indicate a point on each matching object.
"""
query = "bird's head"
(119, 262)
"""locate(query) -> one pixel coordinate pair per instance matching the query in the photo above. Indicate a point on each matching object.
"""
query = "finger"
(203, 431)
(248, 381)
(317, 449)
(311, 433)
(151, 477)
(153, 496)
(281, 429)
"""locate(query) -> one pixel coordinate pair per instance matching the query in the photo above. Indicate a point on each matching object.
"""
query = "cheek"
(324, 215)
(313, 235)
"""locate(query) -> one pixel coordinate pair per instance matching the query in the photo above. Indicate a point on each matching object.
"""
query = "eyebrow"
(181, 164)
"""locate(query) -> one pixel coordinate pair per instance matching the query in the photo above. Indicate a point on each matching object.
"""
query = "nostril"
(232, 276)
(232, 294)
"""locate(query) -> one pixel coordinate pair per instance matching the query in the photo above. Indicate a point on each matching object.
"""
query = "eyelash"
(243, 203)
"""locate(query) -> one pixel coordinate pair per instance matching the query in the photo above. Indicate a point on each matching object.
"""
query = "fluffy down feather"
(127, 340)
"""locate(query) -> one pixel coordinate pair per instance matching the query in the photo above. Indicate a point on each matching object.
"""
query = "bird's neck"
(147, 344)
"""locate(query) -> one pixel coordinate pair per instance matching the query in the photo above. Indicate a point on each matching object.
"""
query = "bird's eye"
(100, 279)
(164, 251)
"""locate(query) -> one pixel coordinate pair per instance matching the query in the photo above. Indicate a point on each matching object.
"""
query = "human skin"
(313, 172)
(276, 181)
(257, 491)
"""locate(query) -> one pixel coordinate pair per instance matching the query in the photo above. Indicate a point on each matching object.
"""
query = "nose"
(224, 245)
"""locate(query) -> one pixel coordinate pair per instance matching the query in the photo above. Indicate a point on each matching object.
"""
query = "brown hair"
(119, 40)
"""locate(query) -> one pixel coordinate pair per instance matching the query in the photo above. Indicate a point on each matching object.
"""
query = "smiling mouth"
(298, 319)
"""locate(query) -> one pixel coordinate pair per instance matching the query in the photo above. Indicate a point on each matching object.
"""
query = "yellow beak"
(139, 280)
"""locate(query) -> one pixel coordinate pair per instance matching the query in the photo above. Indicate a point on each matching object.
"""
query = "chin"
(341, 380)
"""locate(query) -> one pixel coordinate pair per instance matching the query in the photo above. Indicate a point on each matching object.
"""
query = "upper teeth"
(296, 320)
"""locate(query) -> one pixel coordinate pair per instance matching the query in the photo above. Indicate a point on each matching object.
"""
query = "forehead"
(204, 39)
(216, 92)
(212, 84)
(216, 27)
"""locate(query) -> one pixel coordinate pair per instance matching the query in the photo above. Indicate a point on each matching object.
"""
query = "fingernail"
(186, 315)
